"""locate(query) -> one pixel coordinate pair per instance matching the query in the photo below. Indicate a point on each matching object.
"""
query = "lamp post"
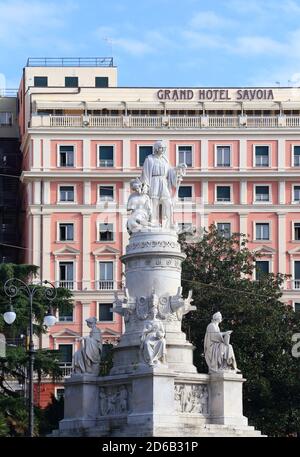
(12, 290)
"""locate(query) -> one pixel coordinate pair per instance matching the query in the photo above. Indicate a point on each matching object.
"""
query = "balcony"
(66, 369)
(164, 122)
(106, 285)
(294, 284)
(71, 285)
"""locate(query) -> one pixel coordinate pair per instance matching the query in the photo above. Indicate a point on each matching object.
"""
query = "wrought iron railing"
(70, 62)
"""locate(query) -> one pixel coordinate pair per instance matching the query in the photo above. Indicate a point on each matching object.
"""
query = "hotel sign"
(214, 95)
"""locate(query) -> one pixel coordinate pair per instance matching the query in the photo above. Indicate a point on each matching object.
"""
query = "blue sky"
(159, 42)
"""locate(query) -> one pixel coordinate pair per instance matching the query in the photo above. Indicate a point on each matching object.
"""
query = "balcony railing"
(106, 285)
(70, 62)
(66, 369)
(294, 284)
(66, 284)
(166, 122)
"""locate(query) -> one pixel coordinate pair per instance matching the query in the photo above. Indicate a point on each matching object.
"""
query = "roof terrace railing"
(70, 62)
(8, 92)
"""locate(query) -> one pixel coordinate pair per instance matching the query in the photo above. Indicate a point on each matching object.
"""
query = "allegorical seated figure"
(139, 206)
(153, 343)
(218, 351)
(87, 359)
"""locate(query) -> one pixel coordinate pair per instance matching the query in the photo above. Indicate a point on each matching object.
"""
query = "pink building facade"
(84, 139)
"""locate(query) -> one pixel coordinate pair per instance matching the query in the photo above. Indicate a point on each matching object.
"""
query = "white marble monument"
(153, 388)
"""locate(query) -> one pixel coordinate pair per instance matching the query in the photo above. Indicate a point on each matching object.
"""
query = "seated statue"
(153, 342)
(87, 359)
(218, 352)
(139, 206)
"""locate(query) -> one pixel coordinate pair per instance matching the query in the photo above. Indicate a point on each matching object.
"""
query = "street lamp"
(12, 290)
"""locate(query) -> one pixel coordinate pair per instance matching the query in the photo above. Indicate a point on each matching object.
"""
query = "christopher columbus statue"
(162, 181)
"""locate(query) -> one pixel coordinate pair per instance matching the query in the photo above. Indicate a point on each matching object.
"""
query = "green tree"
(219, 272)
(13, 367)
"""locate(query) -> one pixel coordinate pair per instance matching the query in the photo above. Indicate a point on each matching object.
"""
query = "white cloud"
(210, 20)
(203, 40)
(136, 47)
(28, 21)
(256, 45)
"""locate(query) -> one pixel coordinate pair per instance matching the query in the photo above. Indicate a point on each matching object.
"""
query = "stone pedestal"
(81, 403)
(166, 396)
(226, 399)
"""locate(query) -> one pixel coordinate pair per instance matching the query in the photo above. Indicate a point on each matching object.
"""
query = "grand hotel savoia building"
(83, 139)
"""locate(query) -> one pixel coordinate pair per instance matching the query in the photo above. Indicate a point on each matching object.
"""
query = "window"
(65, 315)
(297, 231)
(59, 393)
(105, 312)
(144, 151)
(261, 156)
(185, 192)
(66, 193)
(66, 232)
(40, 81)
(71, 81)
(106, 280)
(262, 231)
(223, 194)
(106, 232)
(65, 354)
(224, 229)
(297, 307)
(66, 275)
(185, 155)
(101, 81)
(223, 156)
(6, 119)
(296, 194)
(262, 268)
(297, 274)
(66, 156)
(296, 156)
(106, 193)
(262, 193)
(106, 156)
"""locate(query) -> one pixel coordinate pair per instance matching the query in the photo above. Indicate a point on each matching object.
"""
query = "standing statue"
(87, 359)
(153, 342)
(218, 352)
(139, 206)
(163, 182)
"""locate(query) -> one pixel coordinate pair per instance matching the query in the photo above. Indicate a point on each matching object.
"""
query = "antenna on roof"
(109, 42)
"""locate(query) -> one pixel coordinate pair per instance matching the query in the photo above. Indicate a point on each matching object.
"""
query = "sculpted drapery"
(218, 352)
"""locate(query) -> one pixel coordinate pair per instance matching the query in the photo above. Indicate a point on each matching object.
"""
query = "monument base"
(155, 401)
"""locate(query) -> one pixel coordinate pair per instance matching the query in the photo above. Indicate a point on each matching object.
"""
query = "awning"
(99, 105)
(40, 105)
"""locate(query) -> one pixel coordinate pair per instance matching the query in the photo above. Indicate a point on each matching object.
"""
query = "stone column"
(46, 242)
(243, 192)
(281, 243)
(126, 154)
(243, 224)
(36, 153)
(86, 247)
(243, 155)
(46, 154)
(281, 193)
(281, 154)
(86, 152)
(204, 155)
